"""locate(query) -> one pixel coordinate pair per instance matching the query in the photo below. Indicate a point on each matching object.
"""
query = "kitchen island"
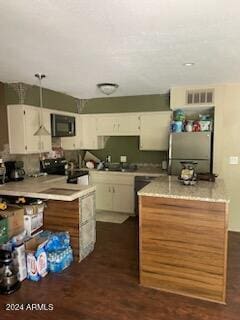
(183, 238)
(70, 207)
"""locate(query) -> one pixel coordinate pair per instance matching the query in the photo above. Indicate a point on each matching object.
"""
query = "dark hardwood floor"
(105, 287)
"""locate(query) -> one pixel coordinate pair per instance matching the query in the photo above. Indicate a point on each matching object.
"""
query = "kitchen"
(123, 144)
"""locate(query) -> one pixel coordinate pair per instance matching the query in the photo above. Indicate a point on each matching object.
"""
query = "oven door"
(62, 126)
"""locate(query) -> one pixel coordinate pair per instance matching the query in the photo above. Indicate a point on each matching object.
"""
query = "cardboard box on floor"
(15, 220)
(36, 258)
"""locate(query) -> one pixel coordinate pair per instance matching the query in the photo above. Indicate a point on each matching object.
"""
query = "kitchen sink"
(117, 167)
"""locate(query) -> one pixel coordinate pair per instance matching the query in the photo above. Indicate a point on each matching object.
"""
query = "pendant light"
(42, 131)
(107, 88)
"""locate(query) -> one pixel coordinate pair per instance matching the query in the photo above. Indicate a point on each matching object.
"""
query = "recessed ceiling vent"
(204, 96)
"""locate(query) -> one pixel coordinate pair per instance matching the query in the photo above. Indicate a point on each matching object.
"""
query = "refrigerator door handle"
(170, 154)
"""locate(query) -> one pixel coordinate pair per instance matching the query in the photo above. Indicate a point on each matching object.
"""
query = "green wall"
(128, 146)
(156, 102)
(51, 99)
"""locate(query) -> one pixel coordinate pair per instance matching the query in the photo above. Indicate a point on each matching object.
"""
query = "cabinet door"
(46, 141)
(104, 196)
(107, 126)
(90, 140)
(68, 143)
(155, 131)
(16, 132)
(78, 137)
(128, 125)
(32, 123)
(123, 198)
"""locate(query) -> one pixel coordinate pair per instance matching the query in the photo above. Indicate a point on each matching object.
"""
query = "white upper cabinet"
(46, 141)
(75, 142)
(118, 125)
(128, 125)
(23, 122)
(89, 138)
(155, 131)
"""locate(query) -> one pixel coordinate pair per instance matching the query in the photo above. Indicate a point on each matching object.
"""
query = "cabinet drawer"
(109, 177)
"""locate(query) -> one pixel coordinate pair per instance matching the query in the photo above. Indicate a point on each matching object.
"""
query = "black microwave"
(62, 126)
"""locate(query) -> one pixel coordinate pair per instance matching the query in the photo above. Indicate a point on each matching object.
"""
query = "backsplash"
(129, 146)
(31, 161)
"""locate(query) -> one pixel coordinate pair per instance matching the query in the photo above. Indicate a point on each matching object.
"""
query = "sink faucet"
(108, 159)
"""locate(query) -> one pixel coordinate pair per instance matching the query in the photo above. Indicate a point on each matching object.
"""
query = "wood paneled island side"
(183, 238)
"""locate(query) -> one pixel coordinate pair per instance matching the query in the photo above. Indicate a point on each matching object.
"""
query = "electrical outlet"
(123, 159)
(233, 160)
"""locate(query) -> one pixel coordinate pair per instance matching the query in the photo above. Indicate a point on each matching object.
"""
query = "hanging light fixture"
(107, 88)
(42, 131)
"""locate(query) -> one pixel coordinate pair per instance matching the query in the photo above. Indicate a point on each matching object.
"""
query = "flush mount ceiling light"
(107, 88)
(188, 64)
(42, 131)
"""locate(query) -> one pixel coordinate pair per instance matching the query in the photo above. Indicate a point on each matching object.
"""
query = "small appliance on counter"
(14, 170)
(57, 166)
(2, 172)
(60, 167)
(188, 175)
(9, 282)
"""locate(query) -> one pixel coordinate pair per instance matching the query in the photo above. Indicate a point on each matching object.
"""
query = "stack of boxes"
(17, 226)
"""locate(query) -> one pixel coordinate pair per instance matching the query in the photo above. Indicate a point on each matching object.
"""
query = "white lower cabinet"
(104, 196)
(112, 196)
(123, 198)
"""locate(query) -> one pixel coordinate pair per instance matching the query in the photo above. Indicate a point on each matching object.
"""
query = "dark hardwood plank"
(105, 286)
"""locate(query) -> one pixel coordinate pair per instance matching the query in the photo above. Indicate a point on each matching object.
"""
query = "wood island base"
(183, 246)
(78, 218)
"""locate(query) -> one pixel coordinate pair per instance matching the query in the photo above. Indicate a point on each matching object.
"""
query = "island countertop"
(46, 187)
(171, 187)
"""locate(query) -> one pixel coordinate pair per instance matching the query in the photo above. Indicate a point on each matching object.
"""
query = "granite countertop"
(171, 187)
(141, 171)
(46, 187)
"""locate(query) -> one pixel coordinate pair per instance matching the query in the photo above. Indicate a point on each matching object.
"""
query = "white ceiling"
(139, 44)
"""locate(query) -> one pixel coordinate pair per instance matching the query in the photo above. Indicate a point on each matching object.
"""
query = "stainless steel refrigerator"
(192, 146)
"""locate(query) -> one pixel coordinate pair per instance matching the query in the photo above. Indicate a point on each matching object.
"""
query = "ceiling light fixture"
(42, 131)
(188, 64)
(107, 88)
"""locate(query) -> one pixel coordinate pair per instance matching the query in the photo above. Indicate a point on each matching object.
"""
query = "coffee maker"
(9, 282)
(2, 172)
(14, 170)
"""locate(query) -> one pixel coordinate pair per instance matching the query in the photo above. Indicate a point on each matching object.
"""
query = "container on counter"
(179, 115)
(177, 126)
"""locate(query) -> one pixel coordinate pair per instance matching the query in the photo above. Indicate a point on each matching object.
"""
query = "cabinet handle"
(118, 126)
(114, 126)
(109, 189)
(113, 189)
